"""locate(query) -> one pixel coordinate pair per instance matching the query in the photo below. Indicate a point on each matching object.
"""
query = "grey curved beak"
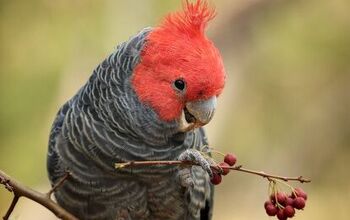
(202, 110)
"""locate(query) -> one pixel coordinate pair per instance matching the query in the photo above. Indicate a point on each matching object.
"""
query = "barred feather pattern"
(105, 123)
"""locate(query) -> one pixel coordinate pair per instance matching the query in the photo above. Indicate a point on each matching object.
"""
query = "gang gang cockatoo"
(146, 101)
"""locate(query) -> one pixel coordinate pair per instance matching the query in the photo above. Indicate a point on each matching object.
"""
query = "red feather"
(192, 20)
(178, 48)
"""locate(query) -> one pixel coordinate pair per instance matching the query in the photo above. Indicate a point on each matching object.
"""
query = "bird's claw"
(195, 156)
(185, 177)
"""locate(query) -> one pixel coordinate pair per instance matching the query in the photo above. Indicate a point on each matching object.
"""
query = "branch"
(12, 206)
(43, 199)
(215, 167)
(301, 179)
(58, 184)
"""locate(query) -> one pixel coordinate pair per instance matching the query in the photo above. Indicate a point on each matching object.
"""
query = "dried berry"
(300, 193)
(281, 198)
(225, 171)
(273, 198)
(216, 178)
(299, 203)
(230, 159)
(271, 210)
(268, 202)
(280, 214)
(289, 201)
(289, 211)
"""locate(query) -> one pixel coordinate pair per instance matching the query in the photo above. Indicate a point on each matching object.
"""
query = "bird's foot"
(185, 172)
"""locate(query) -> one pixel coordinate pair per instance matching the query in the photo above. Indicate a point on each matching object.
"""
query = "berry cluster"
(284, 206)
(229, 160)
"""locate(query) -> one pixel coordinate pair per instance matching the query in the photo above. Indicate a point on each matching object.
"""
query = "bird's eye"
(179, 84)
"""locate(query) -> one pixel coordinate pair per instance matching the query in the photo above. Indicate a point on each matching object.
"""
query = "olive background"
(285, 108)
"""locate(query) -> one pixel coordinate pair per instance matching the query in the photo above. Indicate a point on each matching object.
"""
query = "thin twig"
(58, 184)
(153, 163)
(12, 206)
(190, 163)
(269, 176)
(20, 190)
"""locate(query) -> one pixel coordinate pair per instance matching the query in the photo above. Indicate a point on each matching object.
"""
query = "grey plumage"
(105, 123)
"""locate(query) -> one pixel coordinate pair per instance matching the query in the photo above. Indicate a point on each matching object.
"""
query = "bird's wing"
(53, 162)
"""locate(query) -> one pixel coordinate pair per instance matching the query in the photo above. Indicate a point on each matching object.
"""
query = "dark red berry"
(230, 159)
(300, 193)
(268, 202)
(299, 203)
(288, 211)
(281, 198)
(280, 214)
(216, 178)
(271, 210)
(225, 171)
(273, 198)
(289, 201)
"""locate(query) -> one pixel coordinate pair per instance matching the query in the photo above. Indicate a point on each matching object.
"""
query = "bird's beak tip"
(197, 113)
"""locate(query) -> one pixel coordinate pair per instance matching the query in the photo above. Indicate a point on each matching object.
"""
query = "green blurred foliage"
(285, 108)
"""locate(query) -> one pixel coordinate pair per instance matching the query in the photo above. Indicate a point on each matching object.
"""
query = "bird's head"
(181, 73)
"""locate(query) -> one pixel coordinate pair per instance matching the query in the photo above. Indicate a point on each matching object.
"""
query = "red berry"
(225, 171)
(268, 202)
(216, 178)
(281, 198)
(230, 159)
(280, 215)
(300, 193)
(299, 203)
(289, 201)
(273, 198)
(271, 210)
(288, 211)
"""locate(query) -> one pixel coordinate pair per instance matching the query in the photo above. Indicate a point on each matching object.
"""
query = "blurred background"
(285, 108)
